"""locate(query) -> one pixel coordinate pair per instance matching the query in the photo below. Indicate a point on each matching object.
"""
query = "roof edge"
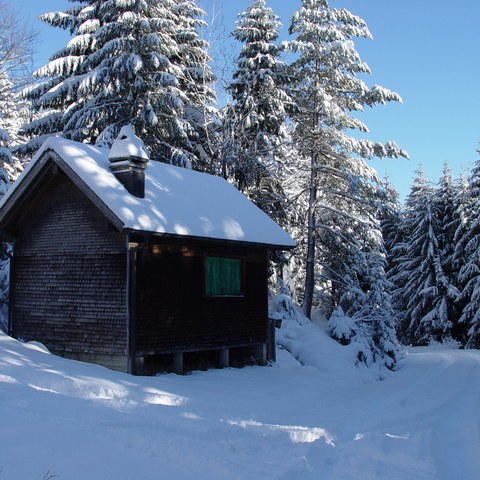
(195, 238)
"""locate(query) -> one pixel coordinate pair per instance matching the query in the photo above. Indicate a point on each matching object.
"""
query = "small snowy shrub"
(341, 326)
(447, 343)
(282, 307)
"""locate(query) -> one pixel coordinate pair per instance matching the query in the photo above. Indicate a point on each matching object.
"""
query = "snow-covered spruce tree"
(391, 222)
(464, 203)
(339, 186)
(196, 82)
(123, 66)
(375, 320)
(369, 320)
(467, 259)
(427, 292)
(470, 294)
(399, 273)
(446, 210)
(256, 119)
(54, 95)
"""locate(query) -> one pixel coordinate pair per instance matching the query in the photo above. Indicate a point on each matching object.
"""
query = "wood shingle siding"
(173, 314)
(70, 275)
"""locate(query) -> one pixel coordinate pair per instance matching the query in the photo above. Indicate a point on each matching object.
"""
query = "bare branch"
(17, 41)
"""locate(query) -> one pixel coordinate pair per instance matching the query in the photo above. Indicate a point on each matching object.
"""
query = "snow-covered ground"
(323, 419)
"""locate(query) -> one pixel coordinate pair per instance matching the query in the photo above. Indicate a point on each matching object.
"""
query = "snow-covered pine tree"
(7, 126)
(54, 96)
(467, 261)
(256, 118)
(463, 204)
(427, 292)
(394, 234)
(375, 320)
(446, 211)
(196, 83)
(369, 322)
(469, 320)
(391, 221)
(327, 91)
(400, 273)
(123, 66)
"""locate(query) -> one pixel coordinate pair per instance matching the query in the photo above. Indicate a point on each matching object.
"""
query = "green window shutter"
(223, 276)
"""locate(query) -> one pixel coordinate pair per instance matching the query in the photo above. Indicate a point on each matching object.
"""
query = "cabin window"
(223, 276)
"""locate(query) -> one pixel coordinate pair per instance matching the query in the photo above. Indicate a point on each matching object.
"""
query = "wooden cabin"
(135, 264)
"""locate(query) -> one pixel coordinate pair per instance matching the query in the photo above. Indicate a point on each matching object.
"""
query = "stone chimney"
(128, 161)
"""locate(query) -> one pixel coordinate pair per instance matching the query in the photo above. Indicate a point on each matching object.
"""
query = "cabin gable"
(68, 275)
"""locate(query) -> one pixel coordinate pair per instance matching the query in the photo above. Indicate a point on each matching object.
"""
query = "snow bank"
(309, 343)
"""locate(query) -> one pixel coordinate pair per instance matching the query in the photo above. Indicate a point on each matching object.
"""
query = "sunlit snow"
(312, 415)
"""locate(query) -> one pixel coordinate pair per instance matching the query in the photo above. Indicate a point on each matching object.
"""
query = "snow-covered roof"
(177, 201)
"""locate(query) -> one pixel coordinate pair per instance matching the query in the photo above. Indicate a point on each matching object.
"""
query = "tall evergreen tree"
(470, 294)
(55, 94)
(327, 91)
(256, 119)
(196, 82)
(467, 260)
(391, 221)
(427, 292)
(463, 203)
(446, 208)
(128, 63)
(369, 321)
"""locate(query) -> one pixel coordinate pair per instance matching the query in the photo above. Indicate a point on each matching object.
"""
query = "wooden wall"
(69, 275)
(173, 314)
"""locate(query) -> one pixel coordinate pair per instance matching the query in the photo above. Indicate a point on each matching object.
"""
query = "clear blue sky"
(425, 50)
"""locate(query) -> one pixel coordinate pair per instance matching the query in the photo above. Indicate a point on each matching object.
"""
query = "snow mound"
(311, 345)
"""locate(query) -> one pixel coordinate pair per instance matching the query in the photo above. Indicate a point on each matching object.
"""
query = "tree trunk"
(311, 243)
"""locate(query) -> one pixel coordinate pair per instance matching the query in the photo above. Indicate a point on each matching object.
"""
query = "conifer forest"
(281, 123)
